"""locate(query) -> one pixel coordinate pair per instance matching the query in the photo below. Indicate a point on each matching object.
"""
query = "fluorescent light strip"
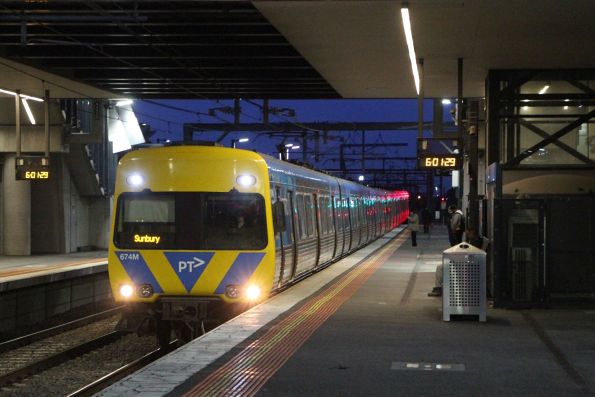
(409, 37)
(22, 95)
(28, 110)
(32, 98)
(124, 102)
(544, 89)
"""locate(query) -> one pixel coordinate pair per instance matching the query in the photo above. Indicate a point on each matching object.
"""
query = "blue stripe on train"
(241, 270)
(137, 269)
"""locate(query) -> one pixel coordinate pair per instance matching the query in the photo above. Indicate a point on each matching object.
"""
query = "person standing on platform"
(426, 216)
(414, 227)
(456, 225)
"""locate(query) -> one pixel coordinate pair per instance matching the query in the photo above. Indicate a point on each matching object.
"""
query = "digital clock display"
(32, 168)
(439, 161)
(37, 174)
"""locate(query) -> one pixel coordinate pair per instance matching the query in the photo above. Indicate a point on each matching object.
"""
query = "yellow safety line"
(250, 369)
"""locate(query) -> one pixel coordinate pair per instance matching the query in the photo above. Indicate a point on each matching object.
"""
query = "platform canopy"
(283, 49)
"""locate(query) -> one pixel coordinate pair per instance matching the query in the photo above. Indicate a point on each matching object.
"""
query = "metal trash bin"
(464, 281)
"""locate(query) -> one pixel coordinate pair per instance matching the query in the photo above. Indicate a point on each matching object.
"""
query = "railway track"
(121, 372)
(46, 333)
(37, 366)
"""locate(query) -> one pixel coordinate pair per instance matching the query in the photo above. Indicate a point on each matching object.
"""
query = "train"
(198, 227)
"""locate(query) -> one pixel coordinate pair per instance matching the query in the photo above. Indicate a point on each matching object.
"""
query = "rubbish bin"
(464, 281)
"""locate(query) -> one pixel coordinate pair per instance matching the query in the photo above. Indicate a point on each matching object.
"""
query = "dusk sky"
(167, 118)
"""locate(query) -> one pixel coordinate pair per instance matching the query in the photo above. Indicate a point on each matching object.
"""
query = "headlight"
(246, 180)
(126, 290)
(252, 292)
(135, 180)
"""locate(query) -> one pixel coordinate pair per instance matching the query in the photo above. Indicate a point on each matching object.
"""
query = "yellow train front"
(191, 228)
(197, 228)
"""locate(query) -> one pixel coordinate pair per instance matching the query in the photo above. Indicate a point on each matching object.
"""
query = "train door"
(289, 270)
(278, 227)
(339, 225)
(284, 240)
(335, 225)
(348, 225)
(317, 234)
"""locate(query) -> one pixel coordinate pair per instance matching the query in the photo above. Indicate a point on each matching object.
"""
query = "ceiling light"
(446, 101)
(21, 95)
(409, 37)
(565, 107)
(288, 144)
(28, 111)
(544, 89)
(124, 102)
(242, 140)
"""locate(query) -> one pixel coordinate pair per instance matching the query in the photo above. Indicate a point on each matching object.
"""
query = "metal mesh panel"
(464, 283)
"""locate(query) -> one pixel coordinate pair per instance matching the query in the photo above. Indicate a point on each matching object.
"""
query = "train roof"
(273, 164)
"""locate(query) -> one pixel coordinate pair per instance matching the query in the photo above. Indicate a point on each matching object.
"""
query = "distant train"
(195, 227)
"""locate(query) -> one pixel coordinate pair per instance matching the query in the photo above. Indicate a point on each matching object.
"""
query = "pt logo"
(189, 266)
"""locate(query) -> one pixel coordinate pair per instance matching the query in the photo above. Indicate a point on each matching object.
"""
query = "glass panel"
(188, 220)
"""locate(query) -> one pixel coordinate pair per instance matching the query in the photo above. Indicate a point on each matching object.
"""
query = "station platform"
(365, 326)
(25, 271)
(36, 289)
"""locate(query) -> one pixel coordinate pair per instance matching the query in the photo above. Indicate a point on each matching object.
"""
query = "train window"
(279, 216)
(353, 204)
(235, 221)
(322, 211)
(346, 218)
(301, 216)
(328, 205)
(309, 214)
(190, 220)
(278, 212)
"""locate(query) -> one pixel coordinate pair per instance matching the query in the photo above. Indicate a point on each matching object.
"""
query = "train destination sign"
(440, 161)
(31, 168)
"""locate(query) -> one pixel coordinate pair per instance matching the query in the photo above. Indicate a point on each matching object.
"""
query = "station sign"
(31, 168)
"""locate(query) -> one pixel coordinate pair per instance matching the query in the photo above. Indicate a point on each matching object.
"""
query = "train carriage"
(196, 227)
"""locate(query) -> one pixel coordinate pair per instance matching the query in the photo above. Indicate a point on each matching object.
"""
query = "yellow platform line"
(250, 369)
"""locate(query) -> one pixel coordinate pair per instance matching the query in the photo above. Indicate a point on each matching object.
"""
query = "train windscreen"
(190, 221)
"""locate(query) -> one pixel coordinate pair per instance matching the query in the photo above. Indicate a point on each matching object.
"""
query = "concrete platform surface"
(24, 271)
(366, 327)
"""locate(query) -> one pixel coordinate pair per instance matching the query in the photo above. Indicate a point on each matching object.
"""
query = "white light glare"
(446, 101)
(544, 89)
(252, 292)
(126, 290)
(242, 140)
(246, 180)
(360, 178)
(28, 97)
(409, 37)
(124, 103)
(288, 144)
(135, 180)
(28, 111)
(295, 147)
